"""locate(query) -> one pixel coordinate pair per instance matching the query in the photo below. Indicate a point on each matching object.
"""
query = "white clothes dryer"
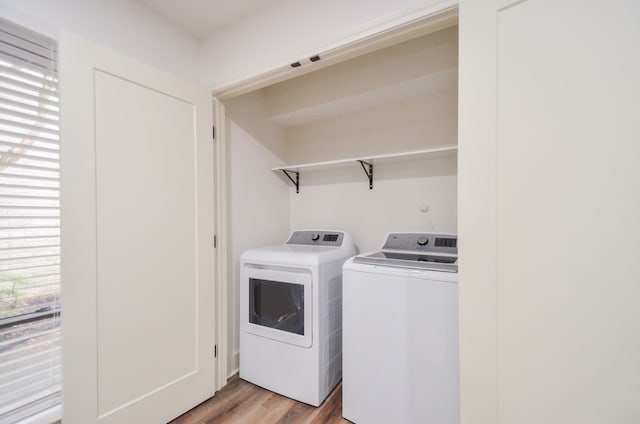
(291, 314)
(400, 332)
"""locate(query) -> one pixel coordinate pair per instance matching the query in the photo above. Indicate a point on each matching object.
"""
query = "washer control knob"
(422, 241)
(315, 236)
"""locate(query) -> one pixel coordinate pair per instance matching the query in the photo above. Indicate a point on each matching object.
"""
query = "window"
(30, 338)
(278, 305)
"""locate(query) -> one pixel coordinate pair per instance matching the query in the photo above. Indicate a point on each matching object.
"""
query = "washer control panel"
(422, 242)
(316, 238)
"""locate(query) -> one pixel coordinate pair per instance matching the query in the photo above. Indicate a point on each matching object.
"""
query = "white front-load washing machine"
(400, 332)
(291, 314)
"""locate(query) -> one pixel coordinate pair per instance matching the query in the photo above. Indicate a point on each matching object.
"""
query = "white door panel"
(137, 213)
(549, 105)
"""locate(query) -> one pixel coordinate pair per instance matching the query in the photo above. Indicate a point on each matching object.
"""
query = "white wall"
(289, 30)
(258, 207)
(368, 215)
(121, 25)
(413, 124)
(341, 199)
(401, 98)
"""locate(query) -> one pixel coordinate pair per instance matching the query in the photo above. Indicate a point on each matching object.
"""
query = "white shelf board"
(375, 159)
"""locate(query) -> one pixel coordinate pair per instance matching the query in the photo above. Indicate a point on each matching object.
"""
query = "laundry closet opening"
(394, 108)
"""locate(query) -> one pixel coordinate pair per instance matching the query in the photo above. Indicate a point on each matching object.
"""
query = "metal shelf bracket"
(295, 182)
(368, 172)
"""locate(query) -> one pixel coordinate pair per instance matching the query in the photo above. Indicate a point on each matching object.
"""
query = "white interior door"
(137, 227)
(549, 211)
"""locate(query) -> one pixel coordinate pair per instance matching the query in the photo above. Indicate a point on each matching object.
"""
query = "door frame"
(394, 29)
(220, 241)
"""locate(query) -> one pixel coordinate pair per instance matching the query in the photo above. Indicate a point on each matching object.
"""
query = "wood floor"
(240, 402)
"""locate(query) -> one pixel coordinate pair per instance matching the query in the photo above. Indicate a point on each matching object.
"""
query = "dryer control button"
(315, 236)
(422, 241)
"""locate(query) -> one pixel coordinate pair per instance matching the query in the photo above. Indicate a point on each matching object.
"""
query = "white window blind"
(30, 339)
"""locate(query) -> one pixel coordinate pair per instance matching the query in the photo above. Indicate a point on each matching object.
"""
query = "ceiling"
(201, 18)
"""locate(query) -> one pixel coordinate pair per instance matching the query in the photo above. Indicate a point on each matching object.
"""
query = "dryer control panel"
(422, 242)
(316, 238)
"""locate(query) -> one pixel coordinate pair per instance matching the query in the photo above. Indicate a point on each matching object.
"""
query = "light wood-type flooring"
(240, 402)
